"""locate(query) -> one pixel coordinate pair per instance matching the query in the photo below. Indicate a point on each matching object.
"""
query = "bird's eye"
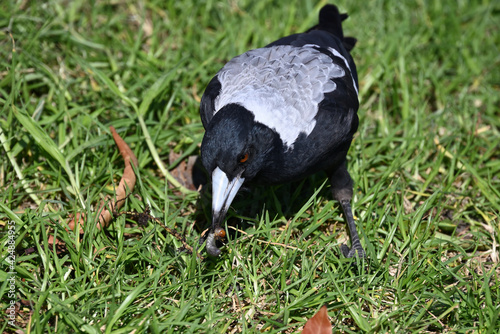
(244, 157)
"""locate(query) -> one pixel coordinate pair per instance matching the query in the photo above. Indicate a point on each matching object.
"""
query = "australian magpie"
(282, 112)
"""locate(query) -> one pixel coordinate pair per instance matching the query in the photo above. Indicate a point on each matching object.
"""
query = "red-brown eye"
(244, 157)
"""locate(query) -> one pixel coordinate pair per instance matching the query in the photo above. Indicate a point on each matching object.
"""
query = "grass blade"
(44, 141)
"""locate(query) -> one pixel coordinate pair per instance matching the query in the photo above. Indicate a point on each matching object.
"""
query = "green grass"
(425, 161)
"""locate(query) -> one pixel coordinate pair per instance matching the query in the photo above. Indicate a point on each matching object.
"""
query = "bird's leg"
(356, 248)
(342, 191)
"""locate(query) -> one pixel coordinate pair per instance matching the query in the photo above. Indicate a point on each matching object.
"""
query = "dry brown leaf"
(109, 208)
(183, 172)
(126, 184)
(319, 323)
(188, 171)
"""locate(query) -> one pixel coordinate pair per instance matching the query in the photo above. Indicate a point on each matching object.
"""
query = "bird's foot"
(352, 252)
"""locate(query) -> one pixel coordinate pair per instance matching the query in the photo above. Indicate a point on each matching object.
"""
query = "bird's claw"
(352, 252)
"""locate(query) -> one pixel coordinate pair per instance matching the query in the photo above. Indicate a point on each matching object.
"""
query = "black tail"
(331, 20)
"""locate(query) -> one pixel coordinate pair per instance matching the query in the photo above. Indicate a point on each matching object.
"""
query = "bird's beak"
(223, 193)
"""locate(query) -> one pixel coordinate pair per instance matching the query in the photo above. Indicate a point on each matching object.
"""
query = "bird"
(280, 113)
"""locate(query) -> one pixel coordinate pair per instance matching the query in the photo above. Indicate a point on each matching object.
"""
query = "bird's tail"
(331, 20)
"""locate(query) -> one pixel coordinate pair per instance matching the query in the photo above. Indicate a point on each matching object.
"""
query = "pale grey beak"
(223, 193)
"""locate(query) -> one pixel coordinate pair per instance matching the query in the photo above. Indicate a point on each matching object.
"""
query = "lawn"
(425, 162)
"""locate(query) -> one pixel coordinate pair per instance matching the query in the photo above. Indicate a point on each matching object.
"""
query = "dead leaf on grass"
(319, 323)
(127, 184)
(109, 208)
(183, 172)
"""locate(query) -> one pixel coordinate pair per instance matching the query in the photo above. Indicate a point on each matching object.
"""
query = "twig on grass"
(142, 219)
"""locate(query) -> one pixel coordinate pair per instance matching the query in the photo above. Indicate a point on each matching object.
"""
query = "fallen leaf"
(189, 172)
(319, 323)
(126, 184)
(109, 208)
(183, 172)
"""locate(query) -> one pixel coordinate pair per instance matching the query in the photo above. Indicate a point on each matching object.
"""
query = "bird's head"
(234, 149)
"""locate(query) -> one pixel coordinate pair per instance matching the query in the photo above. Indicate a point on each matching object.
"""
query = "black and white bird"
(282, 112)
